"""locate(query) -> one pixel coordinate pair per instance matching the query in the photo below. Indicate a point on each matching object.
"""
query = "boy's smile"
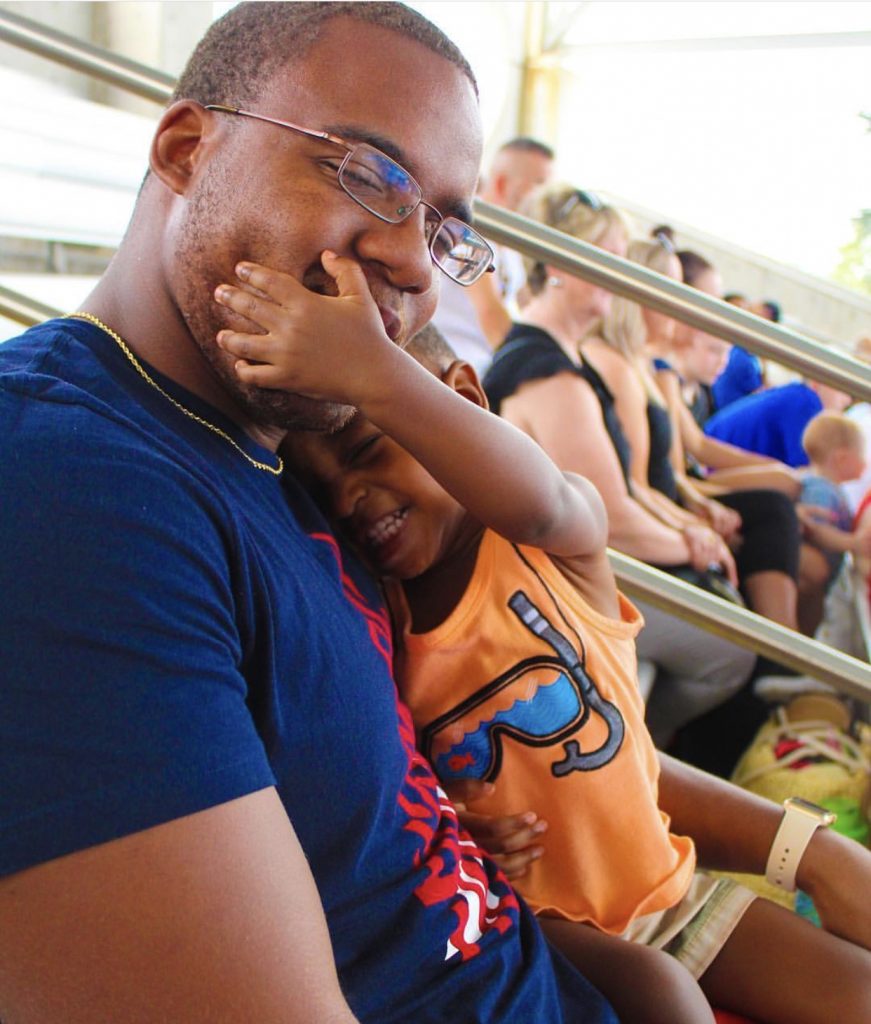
(391, 508)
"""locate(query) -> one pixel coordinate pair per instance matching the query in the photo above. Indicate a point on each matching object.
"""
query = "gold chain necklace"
(140, 369)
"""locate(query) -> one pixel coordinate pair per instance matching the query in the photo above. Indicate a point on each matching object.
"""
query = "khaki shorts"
(696, 929)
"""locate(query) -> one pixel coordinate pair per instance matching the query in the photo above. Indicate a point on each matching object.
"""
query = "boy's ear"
(178, 143)
(461, 376)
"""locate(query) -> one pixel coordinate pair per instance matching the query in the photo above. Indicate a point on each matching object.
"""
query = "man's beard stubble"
(265, 407)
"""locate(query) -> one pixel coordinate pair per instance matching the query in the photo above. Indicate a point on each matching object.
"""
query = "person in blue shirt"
(771, 422)
(743, 373)
(211, 805)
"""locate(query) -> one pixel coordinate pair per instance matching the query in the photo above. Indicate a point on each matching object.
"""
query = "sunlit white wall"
(703, 111)
(696, 110)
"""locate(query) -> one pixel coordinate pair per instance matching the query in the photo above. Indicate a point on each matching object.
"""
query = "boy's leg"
(644, 985)
(779, 968)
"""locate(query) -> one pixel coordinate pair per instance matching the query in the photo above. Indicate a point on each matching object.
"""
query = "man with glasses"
(211, 808)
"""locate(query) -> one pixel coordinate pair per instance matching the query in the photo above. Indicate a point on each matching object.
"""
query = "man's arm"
(733, 831)
(209, 918)
(493, 318)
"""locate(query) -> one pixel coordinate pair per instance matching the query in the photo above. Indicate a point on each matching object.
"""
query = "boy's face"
(849, 462)
(393, 511)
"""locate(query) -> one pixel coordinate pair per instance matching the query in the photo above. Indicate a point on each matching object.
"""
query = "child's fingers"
(261, 374)
(281, 287)
(515, 865)
(348, 275)
(258, 310)
(255, 347)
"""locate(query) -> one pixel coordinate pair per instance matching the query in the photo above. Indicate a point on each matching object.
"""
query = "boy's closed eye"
(362, 449)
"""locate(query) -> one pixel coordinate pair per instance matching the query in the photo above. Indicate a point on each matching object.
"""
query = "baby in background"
(516, 658)
(835, 446)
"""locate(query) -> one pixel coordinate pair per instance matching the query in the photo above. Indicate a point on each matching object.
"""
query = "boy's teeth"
(386, 527)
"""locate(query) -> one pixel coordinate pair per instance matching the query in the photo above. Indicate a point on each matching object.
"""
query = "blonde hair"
(624, 328)
(828, 431)
(572, 211)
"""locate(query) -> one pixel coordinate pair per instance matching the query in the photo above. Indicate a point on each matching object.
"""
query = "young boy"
(835, 446)
(517, 660)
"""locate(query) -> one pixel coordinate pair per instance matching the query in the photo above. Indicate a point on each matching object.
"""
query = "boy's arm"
(733, 831)
(497, 473)
(831, 538)
(336, 348)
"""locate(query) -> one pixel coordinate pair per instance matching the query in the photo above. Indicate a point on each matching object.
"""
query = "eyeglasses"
(384, 188)
(579, 195)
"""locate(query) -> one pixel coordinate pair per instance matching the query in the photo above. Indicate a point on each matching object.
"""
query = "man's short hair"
(244, 50)
(828, 431)
(526, 144)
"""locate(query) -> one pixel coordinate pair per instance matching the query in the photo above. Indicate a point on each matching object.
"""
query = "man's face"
(270, 195)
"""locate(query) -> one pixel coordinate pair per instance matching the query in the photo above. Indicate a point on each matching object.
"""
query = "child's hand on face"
(316, 345)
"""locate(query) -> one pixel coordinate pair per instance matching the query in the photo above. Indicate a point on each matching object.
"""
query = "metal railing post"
(81, 56)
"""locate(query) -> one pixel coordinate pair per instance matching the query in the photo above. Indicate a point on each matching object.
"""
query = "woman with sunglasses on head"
(540, 382)
(760, 525)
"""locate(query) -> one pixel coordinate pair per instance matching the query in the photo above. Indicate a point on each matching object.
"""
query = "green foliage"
(854, 270)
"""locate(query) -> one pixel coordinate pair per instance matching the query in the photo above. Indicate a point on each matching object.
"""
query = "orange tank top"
(528, 687)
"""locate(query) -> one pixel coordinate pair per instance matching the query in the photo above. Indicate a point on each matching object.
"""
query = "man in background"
(475, 320)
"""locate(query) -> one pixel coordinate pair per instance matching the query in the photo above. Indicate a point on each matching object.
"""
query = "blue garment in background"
(817, 490)
(742, 376)
(770, 422)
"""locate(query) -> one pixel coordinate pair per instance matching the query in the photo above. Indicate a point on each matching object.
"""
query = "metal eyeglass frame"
(407, 211)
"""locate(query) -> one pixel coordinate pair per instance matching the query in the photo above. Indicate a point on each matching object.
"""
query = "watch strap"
(796, 830)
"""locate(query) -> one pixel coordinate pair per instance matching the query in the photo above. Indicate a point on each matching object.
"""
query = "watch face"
(820, 814)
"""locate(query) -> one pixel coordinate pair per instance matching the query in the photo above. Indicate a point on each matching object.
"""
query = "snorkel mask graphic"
(539, 702)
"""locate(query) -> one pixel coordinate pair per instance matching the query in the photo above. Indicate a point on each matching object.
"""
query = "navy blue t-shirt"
(180, 628)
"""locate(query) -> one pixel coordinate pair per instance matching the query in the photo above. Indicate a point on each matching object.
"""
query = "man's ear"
(461, 376)
(178, 143)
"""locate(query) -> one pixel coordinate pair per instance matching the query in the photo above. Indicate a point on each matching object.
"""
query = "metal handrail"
(22, 309)
(73, 53)
(743, 627)
(620, 276)
(675, 299)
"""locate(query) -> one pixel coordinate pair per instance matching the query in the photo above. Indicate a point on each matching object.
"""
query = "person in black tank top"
(539, 381)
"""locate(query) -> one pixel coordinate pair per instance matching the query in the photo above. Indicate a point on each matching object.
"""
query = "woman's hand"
(725, 521)
(511, 840)
(708, 548)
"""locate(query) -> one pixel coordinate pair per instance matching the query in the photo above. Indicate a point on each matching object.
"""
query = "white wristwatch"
(800, 821)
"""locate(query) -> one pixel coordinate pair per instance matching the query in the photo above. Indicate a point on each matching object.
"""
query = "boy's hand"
(510, 840)
(324, 347)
